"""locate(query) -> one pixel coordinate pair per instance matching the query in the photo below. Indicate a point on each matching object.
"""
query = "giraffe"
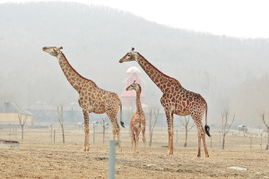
(92, 99)
(138, 121)
(175, 100)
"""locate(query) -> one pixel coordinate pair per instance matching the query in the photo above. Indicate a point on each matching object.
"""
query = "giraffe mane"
(76, 70)
(157, 68)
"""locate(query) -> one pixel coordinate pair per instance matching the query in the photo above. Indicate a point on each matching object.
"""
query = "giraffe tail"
(121, 122)
(207, 128)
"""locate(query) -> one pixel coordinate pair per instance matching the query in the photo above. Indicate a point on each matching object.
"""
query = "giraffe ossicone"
(92, 99)
(138, 120)
(175, 100)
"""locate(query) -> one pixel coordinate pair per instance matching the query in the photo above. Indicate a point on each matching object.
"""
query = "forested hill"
(94, 38)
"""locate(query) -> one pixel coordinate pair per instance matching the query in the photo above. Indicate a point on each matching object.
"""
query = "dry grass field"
(38, 157)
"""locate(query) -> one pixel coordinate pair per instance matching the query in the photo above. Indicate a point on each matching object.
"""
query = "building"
(128, 97)
(9, 115)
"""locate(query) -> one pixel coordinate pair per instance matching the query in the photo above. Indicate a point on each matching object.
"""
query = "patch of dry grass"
(38, 158)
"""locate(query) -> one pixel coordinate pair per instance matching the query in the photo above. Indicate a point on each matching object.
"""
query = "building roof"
(9, 107)
(132, 75)
(133, 69)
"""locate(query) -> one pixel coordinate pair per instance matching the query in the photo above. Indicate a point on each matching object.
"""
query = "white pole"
(112, 159)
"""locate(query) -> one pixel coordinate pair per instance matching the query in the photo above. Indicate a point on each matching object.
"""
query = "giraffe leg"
(204, 142)
(116, 132)
(132, 136)
(201, 136)
(86, 130)
(169, 117)
(199, 143)
(116, 129)
(136, 141)
(133, 140)
(144, 138)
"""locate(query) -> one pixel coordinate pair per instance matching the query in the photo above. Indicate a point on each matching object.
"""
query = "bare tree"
(152, 123)
(187, 127)
(225, 125)
(267, 127)
(261, 136)
(61, 120)
(22, 122)
(54, 136)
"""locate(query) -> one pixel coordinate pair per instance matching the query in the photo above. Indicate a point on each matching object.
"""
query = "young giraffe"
(138, 121)
(175, 100)
(91, 97)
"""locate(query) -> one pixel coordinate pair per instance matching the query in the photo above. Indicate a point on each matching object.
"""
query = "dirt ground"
(38, 157)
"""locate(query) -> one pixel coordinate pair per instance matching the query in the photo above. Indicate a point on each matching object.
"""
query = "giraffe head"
(54, 51)
(134, 86)
(130, 56)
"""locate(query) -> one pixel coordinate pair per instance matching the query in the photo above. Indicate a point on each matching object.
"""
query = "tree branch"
(156, 115)
(60, 114)
(21, 121)
(263, 119)
(191, 126)
(231, 124)
(186, 123)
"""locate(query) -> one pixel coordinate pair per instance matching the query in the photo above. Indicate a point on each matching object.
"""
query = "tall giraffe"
(138, 121)
(175, 100)
(92, 99)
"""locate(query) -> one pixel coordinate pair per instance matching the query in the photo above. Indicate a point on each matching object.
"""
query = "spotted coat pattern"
(92, 99)
(175, 99)
(138, 120)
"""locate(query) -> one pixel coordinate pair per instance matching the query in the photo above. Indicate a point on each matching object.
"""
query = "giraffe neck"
(138, 102)
(162, 80)
(73, 77)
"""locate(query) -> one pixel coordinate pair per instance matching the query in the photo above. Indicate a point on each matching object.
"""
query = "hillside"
(94, 38)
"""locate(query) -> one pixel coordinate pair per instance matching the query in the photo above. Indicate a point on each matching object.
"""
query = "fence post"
(112, 159)
(93, 135)
(51, 134)
(54, 133)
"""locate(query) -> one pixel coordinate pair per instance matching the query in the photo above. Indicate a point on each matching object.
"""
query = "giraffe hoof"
(86, 149)
(207, 156)
(170, 153)
(198, 155)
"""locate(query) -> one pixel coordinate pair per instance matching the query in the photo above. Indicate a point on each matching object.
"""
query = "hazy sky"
(239, 18)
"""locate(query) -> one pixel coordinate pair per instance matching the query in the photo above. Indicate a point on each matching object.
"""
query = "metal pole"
(112, 159)
(51, 133)
(54, 135)
(93, 136)
(104, 132)
(176, 136)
